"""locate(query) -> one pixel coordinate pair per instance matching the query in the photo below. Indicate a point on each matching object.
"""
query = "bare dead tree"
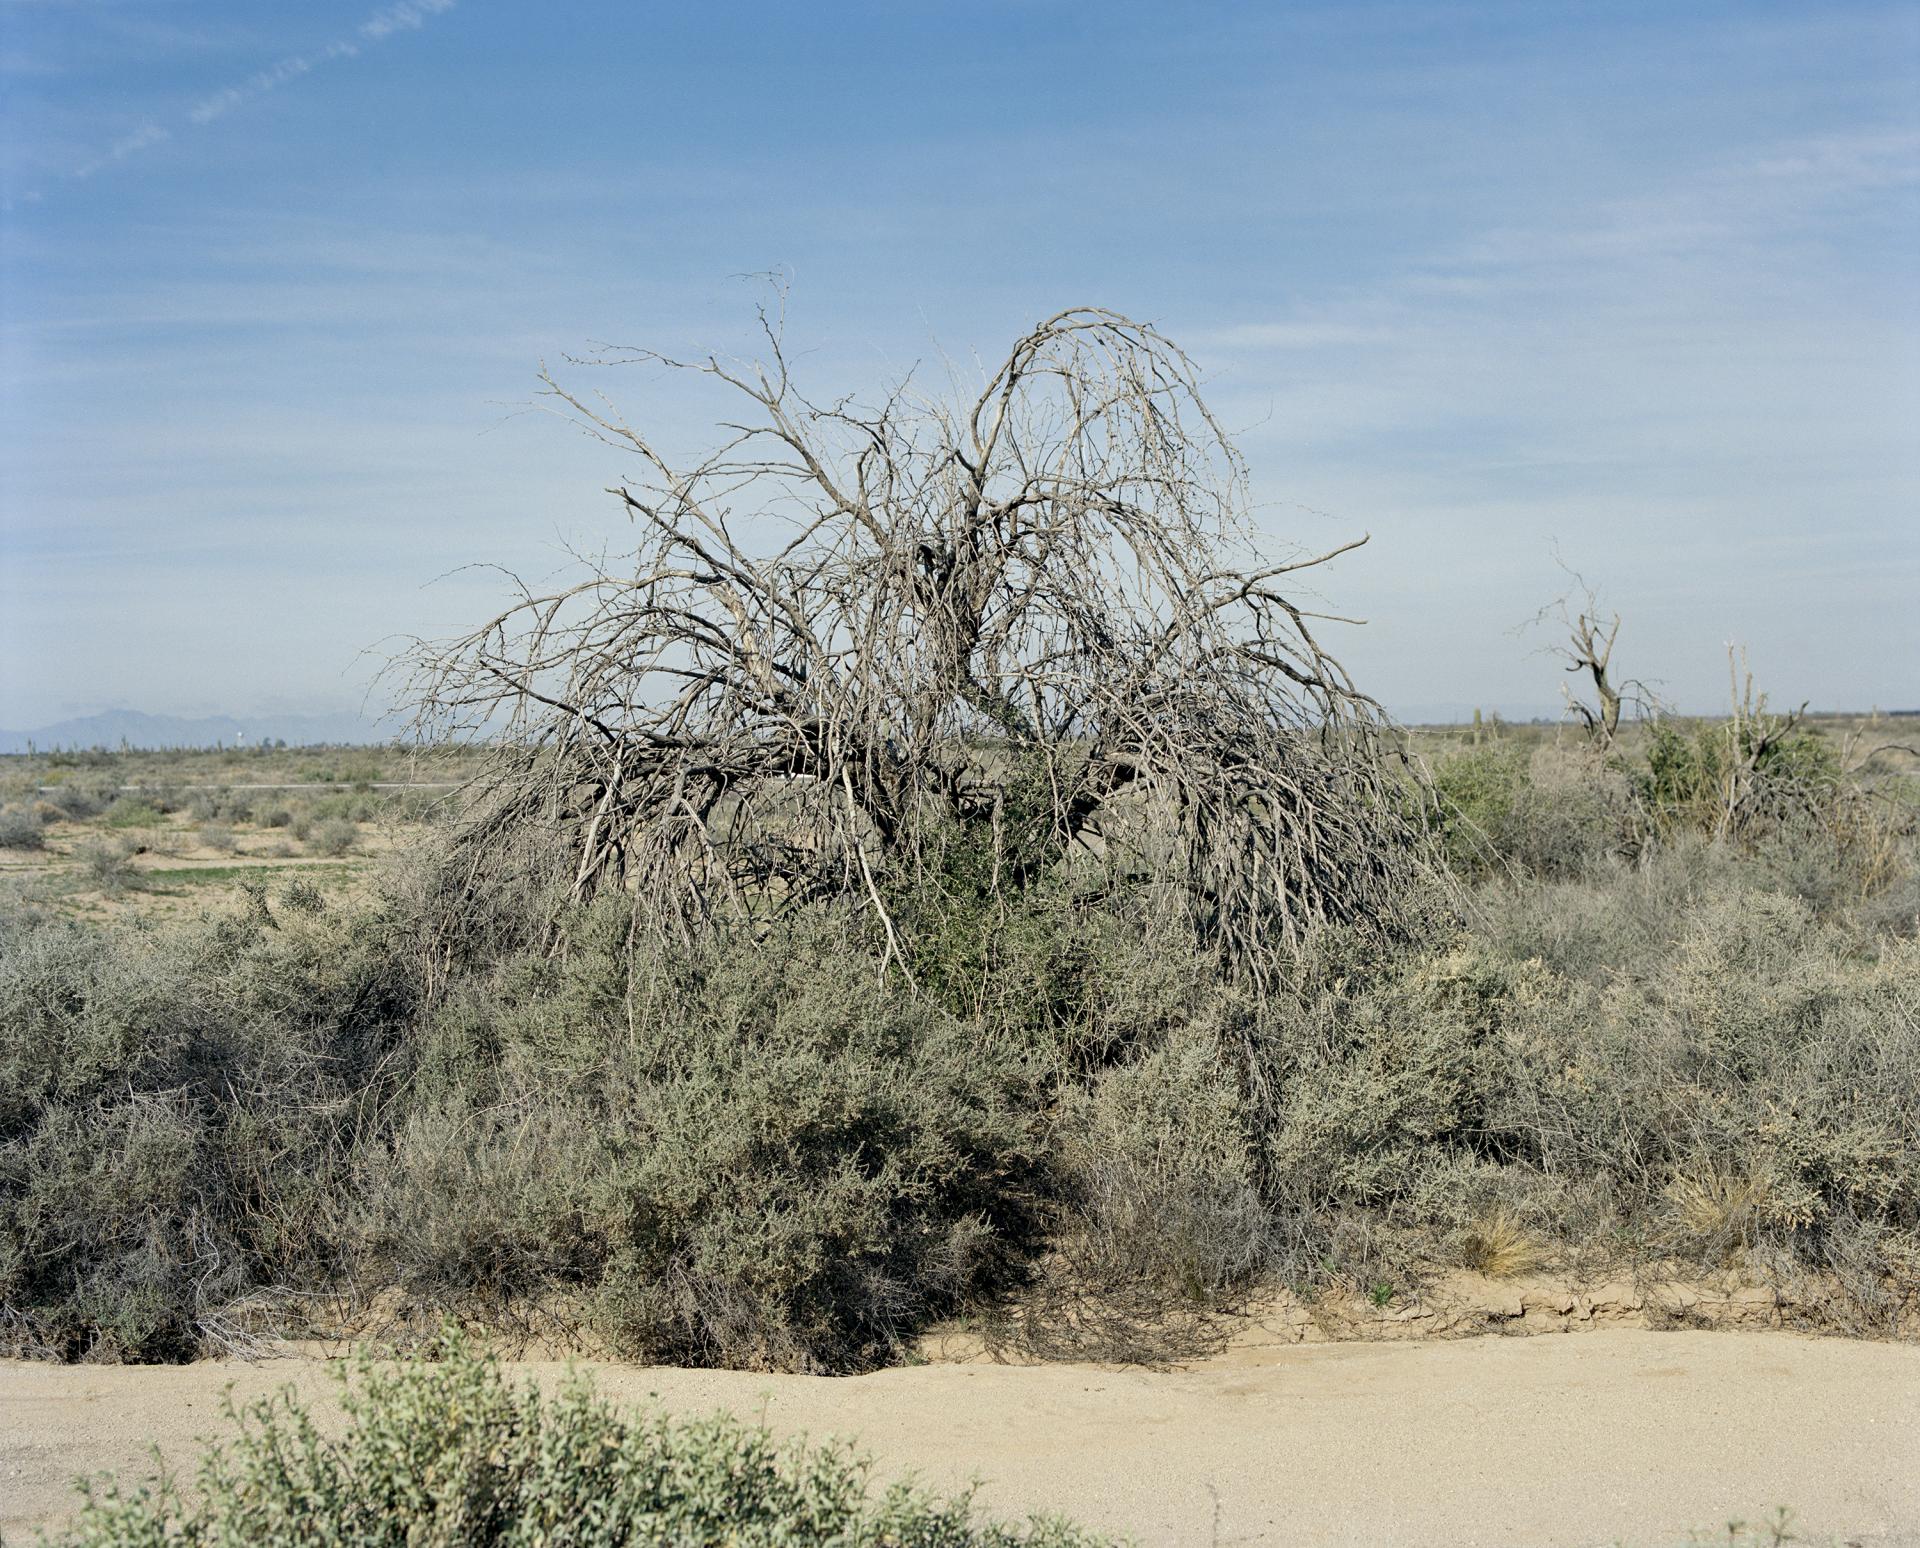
(1588, 652)
(1034, 615)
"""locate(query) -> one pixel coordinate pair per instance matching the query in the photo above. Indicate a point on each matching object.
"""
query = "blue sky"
(1633, 279)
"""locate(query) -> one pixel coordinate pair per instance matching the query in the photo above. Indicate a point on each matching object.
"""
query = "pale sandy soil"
(1615, 1435)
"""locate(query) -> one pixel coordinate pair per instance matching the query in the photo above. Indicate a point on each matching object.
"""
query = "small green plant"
(1773, 1532)
(134, 812)
(444, 1452)
(1381, 1295)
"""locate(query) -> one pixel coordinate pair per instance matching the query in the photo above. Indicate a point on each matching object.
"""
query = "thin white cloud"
(409, 16)
(1854, 161)
(127, 145)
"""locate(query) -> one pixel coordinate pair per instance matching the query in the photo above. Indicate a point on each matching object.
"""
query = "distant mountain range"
(134, 728)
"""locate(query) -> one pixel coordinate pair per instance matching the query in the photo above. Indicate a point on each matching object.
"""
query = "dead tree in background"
(1589, 652)
(1035, 616)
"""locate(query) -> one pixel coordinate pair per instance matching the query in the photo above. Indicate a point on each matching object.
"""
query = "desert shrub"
(1894, 909)
(1376, 1080)
(356, 771)
(780, 1148)
(749, 1158)
(356, 806)
(1476, 790)
(220, 805)
(22, 828)
(1662, 1061)
(217, 836)
(334, 838)
(420, 805)
(1716, 1089)
(80, 800)
(174, 1105)
(109, 867)
(1162, 1175)
(444, 1452)
(276, 817)
(134, 812)
(1751, 775)
(1547, 810)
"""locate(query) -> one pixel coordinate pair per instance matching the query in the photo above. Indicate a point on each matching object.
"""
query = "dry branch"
(848, 630)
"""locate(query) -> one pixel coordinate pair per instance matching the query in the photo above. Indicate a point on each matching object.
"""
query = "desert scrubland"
(934, 937)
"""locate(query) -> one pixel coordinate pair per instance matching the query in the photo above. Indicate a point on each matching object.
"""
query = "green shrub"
(134, 812)
(445, 1454)
(1752, 775)
(1476, 792)
(1551, 810)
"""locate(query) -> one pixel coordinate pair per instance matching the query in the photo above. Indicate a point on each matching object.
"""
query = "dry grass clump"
(218, 837)
(1500, 1245)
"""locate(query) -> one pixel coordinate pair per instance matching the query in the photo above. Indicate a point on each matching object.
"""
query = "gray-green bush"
(334, 837)
(784, 1148)
(750, 1157)
(177, 1110)
(21, 828)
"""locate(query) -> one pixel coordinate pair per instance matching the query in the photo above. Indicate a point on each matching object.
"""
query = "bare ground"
(1617, 1435)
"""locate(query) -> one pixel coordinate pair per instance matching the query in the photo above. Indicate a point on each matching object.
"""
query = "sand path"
(1608, 1436)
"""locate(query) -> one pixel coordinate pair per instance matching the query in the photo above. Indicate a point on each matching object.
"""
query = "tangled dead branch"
(849, 633)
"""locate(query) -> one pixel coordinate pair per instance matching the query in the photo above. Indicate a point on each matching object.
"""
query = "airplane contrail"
(409, 16)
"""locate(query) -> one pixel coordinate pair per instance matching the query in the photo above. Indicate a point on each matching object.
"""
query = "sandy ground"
(1612, 1436)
